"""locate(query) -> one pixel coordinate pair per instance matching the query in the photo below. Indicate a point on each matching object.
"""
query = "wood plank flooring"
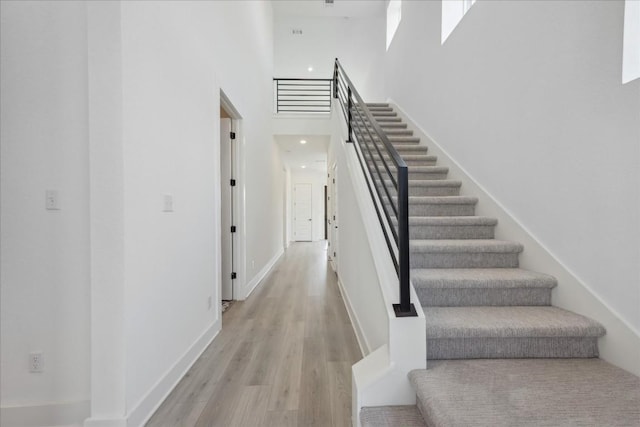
(283, 357)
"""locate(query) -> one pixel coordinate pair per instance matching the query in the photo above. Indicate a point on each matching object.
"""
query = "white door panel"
(302, 216)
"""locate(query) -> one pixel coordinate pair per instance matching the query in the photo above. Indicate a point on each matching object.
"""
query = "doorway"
(226, 203)
(302, 213)
(232, 216)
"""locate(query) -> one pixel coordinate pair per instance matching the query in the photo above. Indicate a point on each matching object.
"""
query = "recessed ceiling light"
(310, 69)
(303, 166)
(303, 141)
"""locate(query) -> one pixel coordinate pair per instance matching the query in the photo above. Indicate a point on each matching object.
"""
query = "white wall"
(173, 60)
(527, 97)
(317, 179)
(176, 58)
(45, 254)
(359, 43)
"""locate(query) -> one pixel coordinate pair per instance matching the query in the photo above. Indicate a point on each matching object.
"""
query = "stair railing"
(386, 173)
(307, 96)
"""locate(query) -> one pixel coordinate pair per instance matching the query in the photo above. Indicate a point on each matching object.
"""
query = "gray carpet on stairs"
(527, 392)
(391, 416)
(498, 353)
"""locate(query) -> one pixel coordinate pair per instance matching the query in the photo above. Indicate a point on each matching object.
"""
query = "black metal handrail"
(303, 95)
(386, 174)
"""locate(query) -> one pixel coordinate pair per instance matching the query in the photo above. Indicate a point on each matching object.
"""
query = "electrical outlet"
(51, 200)
(36, 362)
(209, 303)
(167, 203)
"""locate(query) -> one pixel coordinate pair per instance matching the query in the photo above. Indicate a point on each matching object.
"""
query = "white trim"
(262, 273)
(621, 345)
(150, 402)
(48, 414)
(105, 422)
(365, 348)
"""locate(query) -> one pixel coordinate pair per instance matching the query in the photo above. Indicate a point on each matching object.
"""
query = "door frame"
(238, 204)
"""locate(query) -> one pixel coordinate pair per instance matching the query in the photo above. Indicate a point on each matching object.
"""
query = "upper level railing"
(387, 177)
(303, 95)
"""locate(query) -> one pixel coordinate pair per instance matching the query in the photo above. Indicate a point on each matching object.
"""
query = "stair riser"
(460, 297)
(398, 132)
(413, 174)
(393, 125)
(426, 175)
(507, 348)
(434, 191)
(441, 210)
(434, 232)
(463, 260)
(404, 149)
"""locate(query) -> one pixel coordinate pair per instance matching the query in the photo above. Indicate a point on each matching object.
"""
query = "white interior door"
(302, 213)
(227, 209)
(333, 217)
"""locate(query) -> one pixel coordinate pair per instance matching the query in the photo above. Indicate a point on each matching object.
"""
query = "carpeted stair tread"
(527, 392)
(408, 149)
(452, 220)
(376, 113)
(508, 322)
(393, 132)
(451, 227)
(443, 200)
(480, 278)
(384, 126)
(463, 287)
(387, 119)
(391, 416)
(464, 246)
(377, 104)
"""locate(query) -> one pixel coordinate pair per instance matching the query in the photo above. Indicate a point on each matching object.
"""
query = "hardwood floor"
(283, 357)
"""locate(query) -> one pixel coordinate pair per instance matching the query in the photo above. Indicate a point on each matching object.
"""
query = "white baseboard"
(621, 345)
(262, 273)
(365, 348)
(149, 403)
(50, 414)
(111, 422)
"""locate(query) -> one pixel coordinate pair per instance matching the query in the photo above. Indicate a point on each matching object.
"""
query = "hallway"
(283, 357)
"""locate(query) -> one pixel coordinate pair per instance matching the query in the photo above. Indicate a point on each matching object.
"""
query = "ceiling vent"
(296, 31)
(328, 2)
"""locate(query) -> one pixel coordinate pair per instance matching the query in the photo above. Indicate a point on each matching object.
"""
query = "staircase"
(499, 354)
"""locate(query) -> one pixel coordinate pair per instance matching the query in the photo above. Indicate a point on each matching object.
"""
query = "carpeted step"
(439, 187)
(393, 126)
(375, 108)
(482, 287)
(464, 253)
(415, 172)
(451, 227)
(377, 104)
(398, 132)
(419, 160)
(434, 187)
(509, 332)
(382, 119)
(394, 139)
(403, 149)
(391, 416)
(414, 159)
(442, 206)
(527, 393)
(377, 113)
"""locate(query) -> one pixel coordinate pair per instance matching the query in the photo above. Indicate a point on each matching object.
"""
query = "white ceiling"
(313, 154)
(317, 8)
